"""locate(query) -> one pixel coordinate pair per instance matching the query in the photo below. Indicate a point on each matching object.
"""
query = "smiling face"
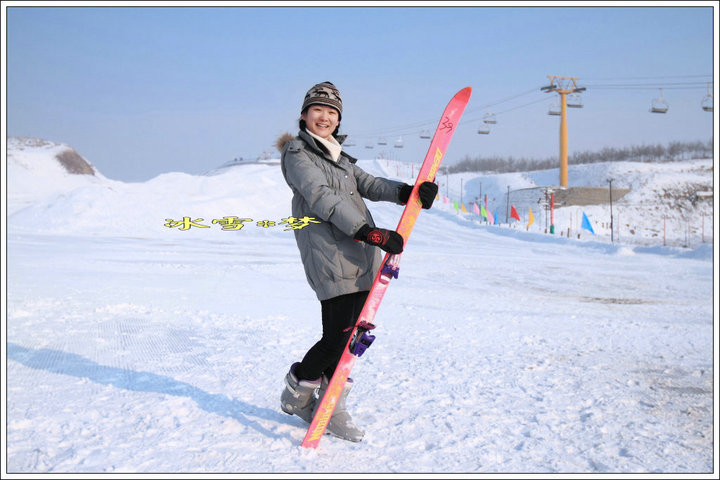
(321, 120)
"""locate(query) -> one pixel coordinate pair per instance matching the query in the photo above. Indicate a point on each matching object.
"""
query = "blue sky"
(147, 90)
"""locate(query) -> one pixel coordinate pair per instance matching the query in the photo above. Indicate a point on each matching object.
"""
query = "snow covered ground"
(135, 346)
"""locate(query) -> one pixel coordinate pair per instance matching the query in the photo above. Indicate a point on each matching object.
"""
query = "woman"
(341, 254)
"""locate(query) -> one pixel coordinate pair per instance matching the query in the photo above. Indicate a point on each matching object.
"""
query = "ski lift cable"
(648, 85)
(544, 99)
(645, 78)
(507, 99)
(406, 129)
(412, 128)
(648, 88)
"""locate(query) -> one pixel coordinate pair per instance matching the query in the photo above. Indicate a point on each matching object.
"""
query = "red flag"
(514, 213)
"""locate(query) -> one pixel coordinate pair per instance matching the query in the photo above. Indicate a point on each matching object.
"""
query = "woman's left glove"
(427, 191)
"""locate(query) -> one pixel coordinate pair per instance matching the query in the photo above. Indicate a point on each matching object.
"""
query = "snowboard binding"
(362, 339)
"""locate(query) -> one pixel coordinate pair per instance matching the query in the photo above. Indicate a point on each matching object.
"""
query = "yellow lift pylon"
(563, 86)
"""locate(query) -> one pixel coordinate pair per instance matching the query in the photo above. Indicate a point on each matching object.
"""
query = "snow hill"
(147, 333)
(665, 206)
(39, 169)
(662, 208)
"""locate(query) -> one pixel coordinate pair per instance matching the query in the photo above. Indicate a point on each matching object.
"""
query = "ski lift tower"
(564, 86)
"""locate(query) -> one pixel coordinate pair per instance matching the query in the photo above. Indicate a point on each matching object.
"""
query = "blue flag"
(586, 224)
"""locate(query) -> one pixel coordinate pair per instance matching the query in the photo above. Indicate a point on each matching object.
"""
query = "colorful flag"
(514, 213)
(475, 208)
(483, 212)
(496, 217)
(586, 224)
(456, 205)
(490, 217)
(446, 199)
(462, 205)
(531, 218)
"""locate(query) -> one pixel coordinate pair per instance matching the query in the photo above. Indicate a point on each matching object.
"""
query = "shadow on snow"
(56, 361)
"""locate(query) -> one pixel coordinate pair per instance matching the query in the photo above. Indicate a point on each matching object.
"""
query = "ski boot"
(341, 423)
(298, 398)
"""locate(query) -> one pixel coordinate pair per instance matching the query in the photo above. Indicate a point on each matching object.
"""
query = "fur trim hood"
(285, 138)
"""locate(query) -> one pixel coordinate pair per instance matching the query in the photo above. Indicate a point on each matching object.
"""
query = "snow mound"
(40, 169)
(45, 196)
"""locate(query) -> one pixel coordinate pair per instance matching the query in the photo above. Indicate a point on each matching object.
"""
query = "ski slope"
(136, 347)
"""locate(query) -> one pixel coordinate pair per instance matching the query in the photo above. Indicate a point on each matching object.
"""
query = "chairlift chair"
(369, 145)
(574, 101)
(554, 109)
(399, 143)
(425, 134)
(348, 143)
(659, 105)
(707, 102)
(489, 118)
(483, 130)
(382, 141)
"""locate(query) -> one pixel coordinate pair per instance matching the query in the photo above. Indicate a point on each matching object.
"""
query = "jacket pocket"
(327, 259)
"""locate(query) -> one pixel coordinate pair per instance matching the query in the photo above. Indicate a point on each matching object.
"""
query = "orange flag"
(531, 218)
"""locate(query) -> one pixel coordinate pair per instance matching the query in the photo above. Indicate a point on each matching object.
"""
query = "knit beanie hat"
(323, 93)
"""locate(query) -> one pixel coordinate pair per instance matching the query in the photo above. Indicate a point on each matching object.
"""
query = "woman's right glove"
(388, 240)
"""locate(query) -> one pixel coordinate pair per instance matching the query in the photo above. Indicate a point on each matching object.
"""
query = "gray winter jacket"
(332, 192)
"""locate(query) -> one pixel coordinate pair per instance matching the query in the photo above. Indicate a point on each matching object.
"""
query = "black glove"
(427, 193)
(388, 240)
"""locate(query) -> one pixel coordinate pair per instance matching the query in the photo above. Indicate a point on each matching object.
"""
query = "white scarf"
(330, 143)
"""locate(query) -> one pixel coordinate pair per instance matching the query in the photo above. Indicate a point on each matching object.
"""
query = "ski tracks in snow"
(144, 356)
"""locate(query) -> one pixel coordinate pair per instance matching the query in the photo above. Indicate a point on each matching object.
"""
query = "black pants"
(339, 314)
